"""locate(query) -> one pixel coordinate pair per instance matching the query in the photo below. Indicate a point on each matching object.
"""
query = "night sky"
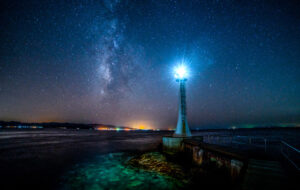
(112, 62)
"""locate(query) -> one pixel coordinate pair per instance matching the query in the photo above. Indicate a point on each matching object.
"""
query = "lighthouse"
(182, 128)
(173, 143)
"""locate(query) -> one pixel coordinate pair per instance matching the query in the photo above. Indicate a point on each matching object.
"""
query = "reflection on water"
(111, 172)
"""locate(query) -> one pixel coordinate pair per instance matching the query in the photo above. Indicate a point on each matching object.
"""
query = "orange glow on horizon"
(102, 128)
(141, 125)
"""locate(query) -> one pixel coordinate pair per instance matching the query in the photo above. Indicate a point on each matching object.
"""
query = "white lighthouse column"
(174, 143)
(182, 129)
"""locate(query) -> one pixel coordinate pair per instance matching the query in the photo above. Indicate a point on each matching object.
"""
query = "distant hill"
(17, 124)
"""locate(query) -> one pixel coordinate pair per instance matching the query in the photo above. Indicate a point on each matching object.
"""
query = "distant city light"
(141, 125)
(181, 72)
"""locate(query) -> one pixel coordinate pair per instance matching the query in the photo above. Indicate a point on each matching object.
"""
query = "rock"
(157, 162)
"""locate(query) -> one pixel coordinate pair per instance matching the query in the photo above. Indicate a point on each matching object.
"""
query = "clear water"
(111, 172)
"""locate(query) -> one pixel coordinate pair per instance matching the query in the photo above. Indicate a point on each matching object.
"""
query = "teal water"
(111, 172)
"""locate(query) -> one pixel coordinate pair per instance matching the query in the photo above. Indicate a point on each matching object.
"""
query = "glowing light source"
(181, 72)
(141, 125)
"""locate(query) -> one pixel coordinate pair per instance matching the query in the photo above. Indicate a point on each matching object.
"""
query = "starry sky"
(112, 62)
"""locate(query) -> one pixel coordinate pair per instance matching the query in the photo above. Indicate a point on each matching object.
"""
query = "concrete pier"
(202, 153)
(172, 144)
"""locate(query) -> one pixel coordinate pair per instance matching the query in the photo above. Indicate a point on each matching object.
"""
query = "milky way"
(112, 62)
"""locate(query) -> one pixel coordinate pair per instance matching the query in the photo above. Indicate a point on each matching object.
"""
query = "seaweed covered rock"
(157, 162)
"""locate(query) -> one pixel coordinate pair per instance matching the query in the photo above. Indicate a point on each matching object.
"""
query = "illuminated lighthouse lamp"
(181, 72)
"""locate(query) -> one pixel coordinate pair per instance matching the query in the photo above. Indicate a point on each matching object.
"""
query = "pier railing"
(250, 141)
(291, 153)
(266, 144)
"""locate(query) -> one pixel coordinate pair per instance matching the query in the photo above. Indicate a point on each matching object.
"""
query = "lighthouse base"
(173, 144)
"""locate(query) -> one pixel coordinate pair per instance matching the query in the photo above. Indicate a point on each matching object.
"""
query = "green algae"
(111, 172)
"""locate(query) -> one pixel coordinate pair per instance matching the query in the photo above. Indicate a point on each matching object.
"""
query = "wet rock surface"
(112, 171)
(209, 175)
(157, 162)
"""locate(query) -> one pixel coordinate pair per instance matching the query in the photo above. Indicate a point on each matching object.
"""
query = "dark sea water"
(40, 158)
(86, 159)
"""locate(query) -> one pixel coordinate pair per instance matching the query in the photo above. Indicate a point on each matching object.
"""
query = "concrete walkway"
(264, 174)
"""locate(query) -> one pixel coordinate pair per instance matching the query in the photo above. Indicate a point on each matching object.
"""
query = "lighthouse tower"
(173, 143)
(182, 129)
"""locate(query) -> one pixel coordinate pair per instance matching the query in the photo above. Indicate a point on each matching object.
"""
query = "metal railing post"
(265, 145)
